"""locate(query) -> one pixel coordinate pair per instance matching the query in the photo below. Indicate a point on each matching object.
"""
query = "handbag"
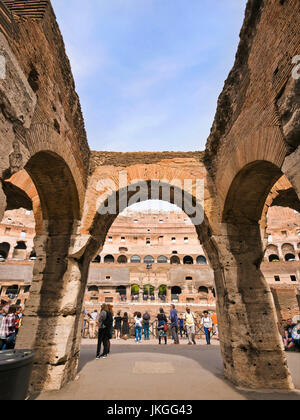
(166, 327)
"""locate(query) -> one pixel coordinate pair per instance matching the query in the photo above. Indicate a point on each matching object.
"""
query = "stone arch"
(122, 259)
(162, 259)
(54, 304)
(201, 260)
(250, 358)
(4, 250)
(188, 260)
(288, 251)
(272, 253)
(109, 259)
(175, 260)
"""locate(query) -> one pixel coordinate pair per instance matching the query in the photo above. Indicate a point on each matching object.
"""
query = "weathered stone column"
(250, 341)
(53, 316)
(2, 203)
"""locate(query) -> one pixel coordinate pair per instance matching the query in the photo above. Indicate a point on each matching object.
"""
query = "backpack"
(109, 320)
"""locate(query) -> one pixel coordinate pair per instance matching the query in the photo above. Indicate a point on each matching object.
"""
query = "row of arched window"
(149, 290)
(20, 246)
(136, 259)
(288, 252)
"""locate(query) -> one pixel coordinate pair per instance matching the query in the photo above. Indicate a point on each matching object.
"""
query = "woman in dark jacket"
(162, 323)
(118, 326)
(125, 325)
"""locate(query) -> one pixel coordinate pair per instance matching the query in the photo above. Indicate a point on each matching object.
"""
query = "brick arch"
(265, 144)
(51, 304)
(250, 295)
(41, 138)
(164, 170)
(23, 181)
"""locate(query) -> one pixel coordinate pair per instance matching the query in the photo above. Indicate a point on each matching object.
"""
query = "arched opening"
(109, 259)
(135, 292)
(47, 186)
(148, 292)
(4, 250)
(121, 290)
(290, 257)
(149, 259)
(162, 292)
(188, 260)
(162, 260)
(176, 291)
(175, 260)
(12, 291)
(201, 260)
(97, 260)
(20, 251)
(122, 259)
(247, 291)
(93, 289)
(274, 258)
(135, 259)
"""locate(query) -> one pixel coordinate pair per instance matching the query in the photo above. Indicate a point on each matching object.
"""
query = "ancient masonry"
(251, 162)
(153, 259)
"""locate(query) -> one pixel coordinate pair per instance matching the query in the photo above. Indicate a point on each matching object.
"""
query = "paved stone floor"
(151, 372)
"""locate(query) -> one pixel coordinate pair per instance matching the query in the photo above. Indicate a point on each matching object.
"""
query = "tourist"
(190, 325)
(288, 339)
(110, 327)
(19, 317)
(174, 324)
(93, 324)
(296, 335)
(125, 326)
(181, 326)
(214, 319)
(3, 329)
(118, 325)
(86, 322)
(162, 326)
(10, 326)
(138, 327)
(208, 325)
(146, 325)
(103, 332)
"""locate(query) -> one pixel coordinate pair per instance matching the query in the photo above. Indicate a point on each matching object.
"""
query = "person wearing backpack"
(103, 334)
(174, 324)
(138, 327)
(162, 327)
(146, 325)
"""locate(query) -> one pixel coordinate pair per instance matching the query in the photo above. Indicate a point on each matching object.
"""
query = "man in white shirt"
(208, 325)
(190, 324)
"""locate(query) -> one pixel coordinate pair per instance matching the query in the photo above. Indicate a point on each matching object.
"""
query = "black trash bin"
(15, 371)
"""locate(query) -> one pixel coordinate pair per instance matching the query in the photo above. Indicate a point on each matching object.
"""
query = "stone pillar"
(169, 294)
(128, 292)
(250, 342)
(53, 315)
(2, 203)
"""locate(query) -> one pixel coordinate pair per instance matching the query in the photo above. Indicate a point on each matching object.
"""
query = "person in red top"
(10, 324)
(215, 324)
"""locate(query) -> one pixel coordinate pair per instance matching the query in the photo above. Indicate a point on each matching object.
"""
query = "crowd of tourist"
(10, 323)
(291, 337)
(178, 326)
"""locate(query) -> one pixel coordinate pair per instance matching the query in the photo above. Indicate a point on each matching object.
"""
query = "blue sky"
(149, 72)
